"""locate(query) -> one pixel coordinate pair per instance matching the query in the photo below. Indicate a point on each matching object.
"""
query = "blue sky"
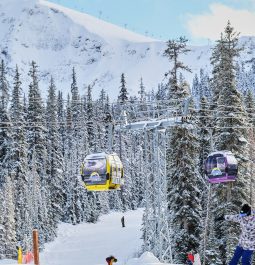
(199, 20)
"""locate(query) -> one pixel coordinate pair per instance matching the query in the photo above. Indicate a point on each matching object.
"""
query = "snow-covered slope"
(58, 38)
(90, 244)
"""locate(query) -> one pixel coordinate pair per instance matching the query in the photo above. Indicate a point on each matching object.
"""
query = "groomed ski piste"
(90, 244)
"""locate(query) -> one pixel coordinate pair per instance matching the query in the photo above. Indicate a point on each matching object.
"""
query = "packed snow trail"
(90, 244)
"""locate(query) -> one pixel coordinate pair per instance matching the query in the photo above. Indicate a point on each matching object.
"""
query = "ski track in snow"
(90, 244)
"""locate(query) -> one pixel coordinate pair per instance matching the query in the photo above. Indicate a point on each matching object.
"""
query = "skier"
(110, 260)
(123, 221)
(246, 244)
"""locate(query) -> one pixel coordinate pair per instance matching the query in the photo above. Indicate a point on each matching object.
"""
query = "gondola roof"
(96, 156)
(224, 152)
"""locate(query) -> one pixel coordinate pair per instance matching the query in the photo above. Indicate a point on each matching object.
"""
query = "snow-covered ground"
(90, 244)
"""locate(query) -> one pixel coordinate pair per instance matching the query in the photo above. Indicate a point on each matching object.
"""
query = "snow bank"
(147, 258)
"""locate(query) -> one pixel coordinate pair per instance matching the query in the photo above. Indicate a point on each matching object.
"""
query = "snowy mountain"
(58, 38)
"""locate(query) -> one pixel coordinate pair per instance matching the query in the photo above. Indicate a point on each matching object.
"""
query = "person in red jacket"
(190, 259)
(110, 260)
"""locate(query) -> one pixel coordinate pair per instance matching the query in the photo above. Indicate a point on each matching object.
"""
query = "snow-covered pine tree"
(250, 110)
(211, 251)
(205, 147)
(2, 227)
(151, 96)
(129, 190)
(251, 76)
(176, 48)
(141, 91)
(136, 169)
(123, 147)
(184, 194)
(90, 121)
(100, 121)
(55, 161)
(77, 130)
(76, 196)
(5, 130)
(61, 120)
(25, 106)
(69, 214)
(204, 118)
(123, 94)
(204, 87)
(93, 207)
(20, 167)
(201, 87)
(7, 220)
(217, 72)
(133, 108)
(109, 125)
(75, 103)
(230, 134)
(195, 89)
(161, 92)
(142, 100)
(107, 107)
(83, 132)
(242, 78)
(4, 86)
(37, 158)
(183, 178)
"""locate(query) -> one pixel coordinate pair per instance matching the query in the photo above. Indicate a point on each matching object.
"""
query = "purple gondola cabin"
(221, 167)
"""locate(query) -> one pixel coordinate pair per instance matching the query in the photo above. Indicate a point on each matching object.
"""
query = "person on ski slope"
(190, 259)
(246, 243)
(123, 221)
(110, 260)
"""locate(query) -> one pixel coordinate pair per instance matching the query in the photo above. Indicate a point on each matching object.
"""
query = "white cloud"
(210, 25)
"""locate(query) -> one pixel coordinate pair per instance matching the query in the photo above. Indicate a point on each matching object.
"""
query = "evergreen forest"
(43, 142)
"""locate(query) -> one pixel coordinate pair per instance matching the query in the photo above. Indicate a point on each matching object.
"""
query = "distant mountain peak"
(97, 26)
(58, 38)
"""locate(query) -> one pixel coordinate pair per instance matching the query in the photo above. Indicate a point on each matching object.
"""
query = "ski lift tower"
(157, 229)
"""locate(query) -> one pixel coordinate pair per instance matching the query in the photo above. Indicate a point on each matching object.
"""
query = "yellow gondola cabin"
(101, 172)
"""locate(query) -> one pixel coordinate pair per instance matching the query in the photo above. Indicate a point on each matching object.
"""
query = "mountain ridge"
(98, 26)
(58, 39)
